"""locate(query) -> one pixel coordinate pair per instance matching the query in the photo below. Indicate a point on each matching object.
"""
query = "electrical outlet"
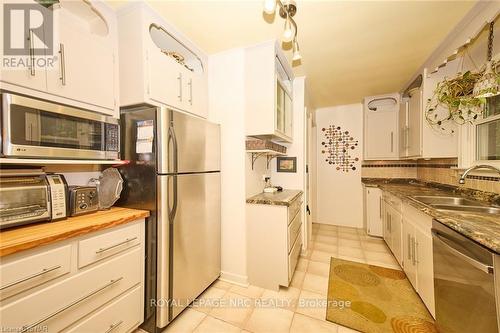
(264, 177)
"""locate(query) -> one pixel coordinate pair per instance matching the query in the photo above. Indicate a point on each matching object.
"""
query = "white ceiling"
(350, 49)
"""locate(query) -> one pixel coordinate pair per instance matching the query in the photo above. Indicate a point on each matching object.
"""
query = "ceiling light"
(288, 33)
(269, 6)
(488, 83)
(287, 10)
(296, 53)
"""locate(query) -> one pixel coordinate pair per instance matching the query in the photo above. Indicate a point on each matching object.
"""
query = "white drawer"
(53, 308)
(109, 243)
(293, 257)
(121, 315)
(294, 208)
(293, 230)
(30, 271)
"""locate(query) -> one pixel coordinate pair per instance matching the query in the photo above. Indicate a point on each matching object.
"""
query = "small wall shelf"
(268, 153)
(29, 161)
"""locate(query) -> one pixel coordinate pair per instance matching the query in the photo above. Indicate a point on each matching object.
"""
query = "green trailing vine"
(453, 100)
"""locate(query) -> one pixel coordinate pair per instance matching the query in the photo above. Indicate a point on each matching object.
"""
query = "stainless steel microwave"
(33, 128)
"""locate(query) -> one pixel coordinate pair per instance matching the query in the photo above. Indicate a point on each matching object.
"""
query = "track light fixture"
(287, 10)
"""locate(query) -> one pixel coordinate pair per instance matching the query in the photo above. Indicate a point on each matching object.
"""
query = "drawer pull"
(32, 276)
(112, 327)
(81, 299)
(103, 249)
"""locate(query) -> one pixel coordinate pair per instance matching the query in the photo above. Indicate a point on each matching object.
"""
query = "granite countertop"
(283, 198)
(480, 227)
(38, 234)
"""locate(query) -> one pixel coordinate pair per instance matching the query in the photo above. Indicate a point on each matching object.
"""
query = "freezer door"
(195, 237)
(187, 144)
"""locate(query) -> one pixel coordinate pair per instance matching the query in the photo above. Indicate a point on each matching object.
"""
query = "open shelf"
(29, 161)
(268, 153)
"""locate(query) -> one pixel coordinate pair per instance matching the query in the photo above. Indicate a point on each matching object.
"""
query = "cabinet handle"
(62, 64)
(29, 277)
(103, 249)
(180, 86)
(380, 207)
(416, 252)
(413, 251)
(64, 308)
(392, 142)
(32, 53)
(190, 84)
(409, 246)
(112, 327)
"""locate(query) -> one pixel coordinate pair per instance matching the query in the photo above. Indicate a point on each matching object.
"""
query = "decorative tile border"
(437, 166)
(491, 179)
(389, 166)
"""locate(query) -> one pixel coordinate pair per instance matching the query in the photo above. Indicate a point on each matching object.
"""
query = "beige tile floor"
(300, 308)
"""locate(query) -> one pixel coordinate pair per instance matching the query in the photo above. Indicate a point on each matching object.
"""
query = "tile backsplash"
(442, 170)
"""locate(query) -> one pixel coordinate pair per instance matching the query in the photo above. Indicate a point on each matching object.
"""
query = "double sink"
(458, 204)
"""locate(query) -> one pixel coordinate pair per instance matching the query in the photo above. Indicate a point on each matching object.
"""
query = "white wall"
(226, 107)
(254, 178)
(339, 195)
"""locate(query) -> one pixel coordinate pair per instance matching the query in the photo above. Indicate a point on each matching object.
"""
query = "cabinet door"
(374, 212)
(280, 108)
(387, 224)
(425, 268)
(288, 115)
(195, 89)
(86, 62)
(414, 124)
(23, 75)
(396, 236)
(403, 128)
(381, 134)
(166, 79)
(409, 263)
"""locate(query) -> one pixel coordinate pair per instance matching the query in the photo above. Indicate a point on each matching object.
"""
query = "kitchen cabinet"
(380, 122)
(420, 139)
(83, 69)
(409, 262)
(269, 93)
(393, 226)
(67, 285)
(158, 64)
(373, 205)
(272, 259)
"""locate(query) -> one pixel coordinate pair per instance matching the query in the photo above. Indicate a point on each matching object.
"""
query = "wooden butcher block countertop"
(33, 235)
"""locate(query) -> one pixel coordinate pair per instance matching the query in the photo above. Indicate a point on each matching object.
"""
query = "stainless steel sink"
(445, 200)
(469, 209)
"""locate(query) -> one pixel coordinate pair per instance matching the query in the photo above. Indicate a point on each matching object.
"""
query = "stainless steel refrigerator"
(173, 171)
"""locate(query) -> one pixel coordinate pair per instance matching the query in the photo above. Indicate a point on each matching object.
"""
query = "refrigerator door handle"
(171, 136)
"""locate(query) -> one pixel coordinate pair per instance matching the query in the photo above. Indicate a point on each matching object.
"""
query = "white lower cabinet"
(393, 226)
(274, 238)
(419, 265)
(373, 205)
(68, 300)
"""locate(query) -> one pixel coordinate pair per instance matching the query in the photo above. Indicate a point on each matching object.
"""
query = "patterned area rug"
(375, 299)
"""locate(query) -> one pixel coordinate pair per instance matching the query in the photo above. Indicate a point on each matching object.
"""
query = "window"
(488, 132)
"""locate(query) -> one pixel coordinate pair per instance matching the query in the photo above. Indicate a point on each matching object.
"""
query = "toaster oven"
(24, 199)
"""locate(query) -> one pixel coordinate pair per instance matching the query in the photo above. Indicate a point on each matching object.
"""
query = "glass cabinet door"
(288, 115)
(280, 108)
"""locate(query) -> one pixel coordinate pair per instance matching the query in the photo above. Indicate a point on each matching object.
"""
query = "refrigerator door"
(188, 144)
(163, 263)
(195, 218)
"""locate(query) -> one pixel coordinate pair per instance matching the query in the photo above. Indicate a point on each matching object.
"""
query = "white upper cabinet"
(421, 139)
(158, 65)
(269, 93)
(381, 127)
(83, 69)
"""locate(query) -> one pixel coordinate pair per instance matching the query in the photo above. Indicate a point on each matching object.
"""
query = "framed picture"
(286, 164)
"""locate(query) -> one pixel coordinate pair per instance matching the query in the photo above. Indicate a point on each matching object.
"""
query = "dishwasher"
(464, 283)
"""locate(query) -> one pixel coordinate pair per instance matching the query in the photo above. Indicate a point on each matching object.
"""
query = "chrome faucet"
(482, 166)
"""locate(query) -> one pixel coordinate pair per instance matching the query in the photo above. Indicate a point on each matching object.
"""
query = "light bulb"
(269, 6)
(296, 54)
(288, 33)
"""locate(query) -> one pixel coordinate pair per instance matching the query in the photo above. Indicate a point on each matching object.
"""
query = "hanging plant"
(453, 100)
